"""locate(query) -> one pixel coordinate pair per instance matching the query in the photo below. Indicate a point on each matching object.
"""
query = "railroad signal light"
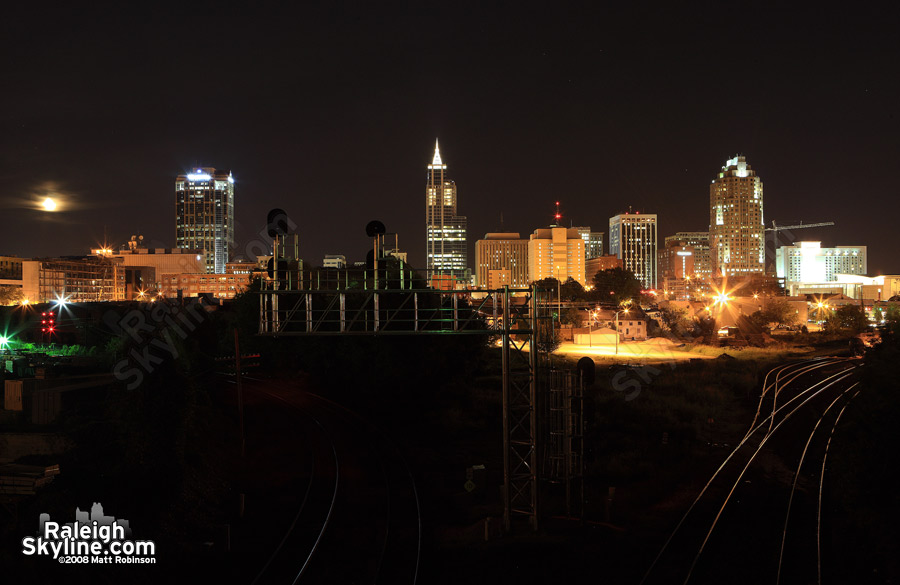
(48, 322)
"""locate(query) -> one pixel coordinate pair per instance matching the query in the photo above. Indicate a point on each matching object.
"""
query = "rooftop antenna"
(558, 214)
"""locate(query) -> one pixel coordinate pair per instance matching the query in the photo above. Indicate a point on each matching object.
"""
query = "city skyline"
(598, 109)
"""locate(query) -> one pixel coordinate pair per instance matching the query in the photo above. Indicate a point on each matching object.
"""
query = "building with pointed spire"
(736, 231)
(445, 230)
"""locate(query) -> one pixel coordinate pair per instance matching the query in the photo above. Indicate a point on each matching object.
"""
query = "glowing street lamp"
(592, 317)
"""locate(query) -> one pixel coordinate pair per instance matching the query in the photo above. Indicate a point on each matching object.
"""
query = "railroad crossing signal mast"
(521, 318)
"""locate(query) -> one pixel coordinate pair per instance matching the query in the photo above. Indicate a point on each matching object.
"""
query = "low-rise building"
(600, 263)
(334, 261)
(74, 278)
(220, 286)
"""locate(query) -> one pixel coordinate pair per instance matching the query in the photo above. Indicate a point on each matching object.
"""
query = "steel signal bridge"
(521, 319)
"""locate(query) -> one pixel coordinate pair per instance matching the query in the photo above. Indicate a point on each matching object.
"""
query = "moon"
(49, 204)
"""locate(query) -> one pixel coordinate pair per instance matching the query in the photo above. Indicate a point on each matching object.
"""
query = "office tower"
(501, 259)
(698, 242)
(736, 231)
(593, 242)
(676, 261)
(445, 231)
(632, 238)
(556, 252)
(204, 215)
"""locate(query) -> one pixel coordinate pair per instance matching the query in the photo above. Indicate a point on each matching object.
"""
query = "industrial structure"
(541, 422)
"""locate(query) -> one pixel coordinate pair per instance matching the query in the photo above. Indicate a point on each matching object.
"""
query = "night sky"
(331, 111)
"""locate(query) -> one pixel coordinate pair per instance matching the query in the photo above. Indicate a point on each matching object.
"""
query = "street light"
(617, 328)
(558, 299)
(591, 316)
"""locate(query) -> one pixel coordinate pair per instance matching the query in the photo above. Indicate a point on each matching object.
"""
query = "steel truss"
(566, 445)
(521, 318)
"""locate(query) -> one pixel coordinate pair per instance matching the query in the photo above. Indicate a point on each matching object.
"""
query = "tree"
(548, 283)
(616, 285)
(848, 318)
(11, 295)
(777, 311)
(675, 321)
(572, 290)
(780, 312)
(572, 316)
(704, 327)
(891, 328)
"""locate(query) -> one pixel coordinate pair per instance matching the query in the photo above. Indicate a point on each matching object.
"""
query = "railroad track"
(749, 523)
(359, 519)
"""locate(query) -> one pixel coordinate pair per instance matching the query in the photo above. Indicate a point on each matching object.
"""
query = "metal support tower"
(525, 330)
(566, 441)
(521, 396)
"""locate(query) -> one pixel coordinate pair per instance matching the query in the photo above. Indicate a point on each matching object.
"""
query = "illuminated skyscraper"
(501, 259)
(736, 230)
(556, 252)
(445, 231)
(632, 238)
(593, 242)
(204, 215)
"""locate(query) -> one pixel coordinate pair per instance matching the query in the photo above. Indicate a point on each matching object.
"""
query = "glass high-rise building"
(736, 231)
(632, 239)
(445, 230)
(204, 215)
(593, 242)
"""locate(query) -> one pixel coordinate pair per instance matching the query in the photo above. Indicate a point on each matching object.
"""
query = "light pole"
(591, 316)
(558, 300)
(617, 328)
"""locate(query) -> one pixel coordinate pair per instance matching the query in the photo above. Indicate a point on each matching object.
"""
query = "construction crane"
(801, 225)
